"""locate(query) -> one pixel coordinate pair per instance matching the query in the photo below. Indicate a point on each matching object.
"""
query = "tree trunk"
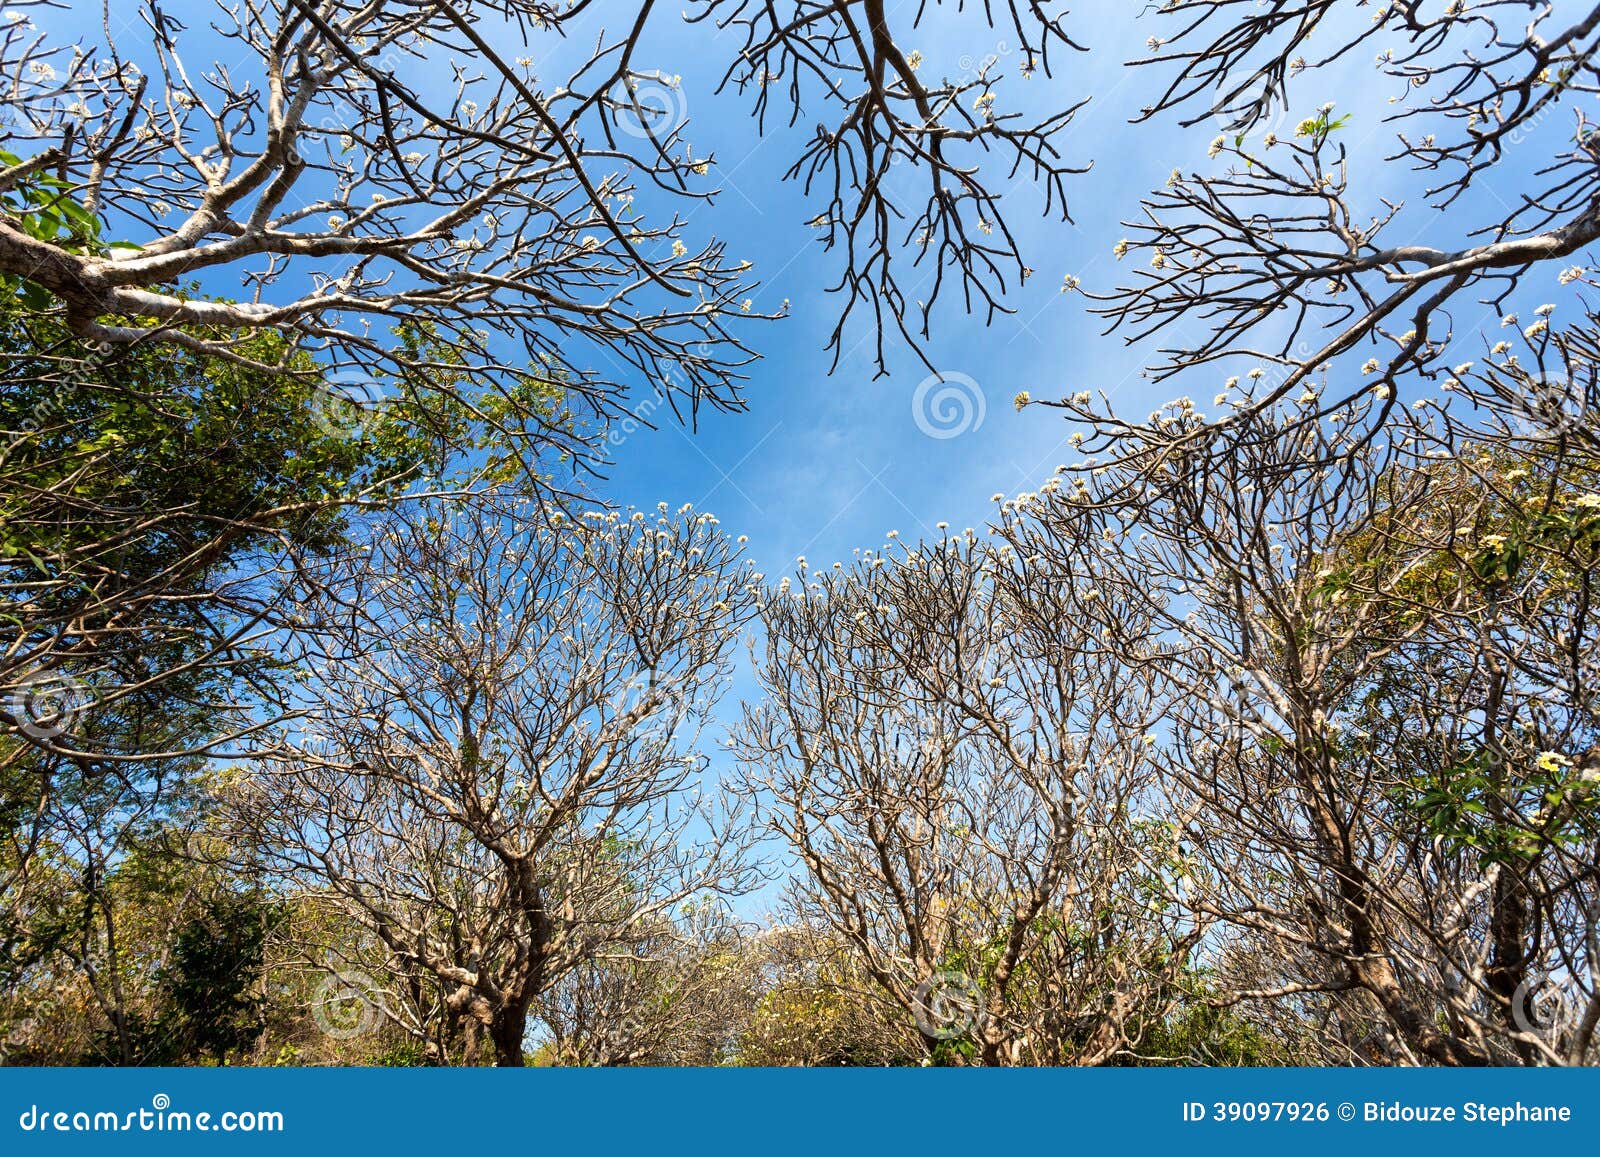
(507, 1029)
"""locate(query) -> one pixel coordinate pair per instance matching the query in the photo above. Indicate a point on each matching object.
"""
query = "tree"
(958, 760)
(816, 1006)
(676, 993)
(1277, 261)
(882, 113)
(497, 777)
(1380, 715)
(213, 982)
(349, 166)
(137, 953)
(356, 176)
(156, 506)
(153, 508)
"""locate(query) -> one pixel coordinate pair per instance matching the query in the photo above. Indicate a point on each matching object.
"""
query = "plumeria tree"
(1288, 254)
(678, 992)
(1379, 719)
(498, 780)
(960, 762)
(351, 168)
(357, 163)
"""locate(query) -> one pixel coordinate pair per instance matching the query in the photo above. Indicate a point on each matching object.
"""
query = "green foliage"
(197, 445)
(42, 207)
(1319, 126)
(211, 986)
(1200, 1032)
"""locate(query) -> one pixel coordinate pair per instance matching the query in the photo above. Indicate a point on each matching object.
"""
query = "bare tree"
(678, 993)
(959, 762)
(1275, 260)
(360, 162)
(499, 779)
(358, 166)
(1380, 718)
(884, 110)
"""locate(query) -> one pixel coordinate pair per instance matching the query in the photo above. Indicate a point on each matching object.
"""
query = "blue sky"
(822, 463)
